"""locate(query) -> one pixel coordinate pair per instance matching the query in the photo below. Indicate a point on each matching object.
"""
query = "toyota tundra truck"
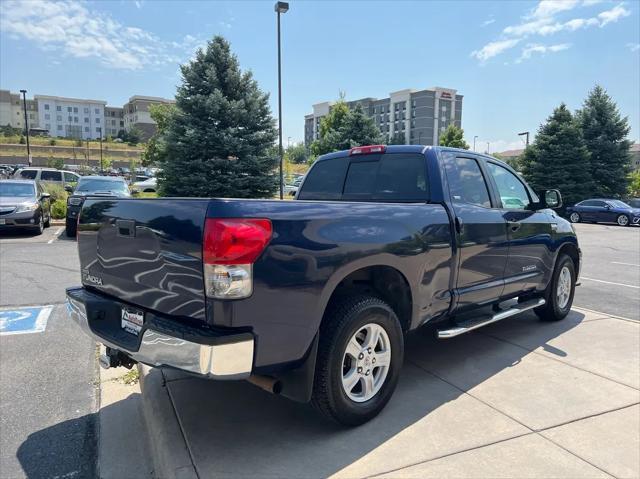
(311, 298)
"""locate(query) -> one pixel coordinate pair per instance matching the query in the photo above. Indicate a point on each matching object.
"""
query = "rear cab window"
(389, 177)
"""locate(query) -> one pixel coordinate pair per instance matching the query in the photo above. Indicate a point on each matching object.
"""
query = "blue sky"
(512, 60)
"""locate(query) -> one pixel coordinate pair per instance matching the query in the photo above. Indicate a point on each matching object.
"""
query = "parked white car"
(147, 186)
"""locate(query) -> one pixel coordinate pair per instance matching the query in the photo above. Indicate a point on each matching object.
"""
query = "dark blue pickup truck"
(311, 298)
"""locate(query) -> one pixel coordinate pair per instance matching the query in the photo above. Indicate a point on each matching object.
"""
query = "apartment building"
(12, 110)
(71, 117)
(136, 113)
(417, 116)
(113, 120)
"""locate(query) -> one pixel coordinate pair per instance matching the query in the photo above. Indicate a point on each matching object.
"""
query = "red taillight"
(367, 150)
(235, 241)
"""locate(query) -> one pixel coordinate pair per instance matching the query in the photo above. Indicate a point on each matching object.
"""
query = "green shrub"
(52, 141)
(59, 209)
(57, 192)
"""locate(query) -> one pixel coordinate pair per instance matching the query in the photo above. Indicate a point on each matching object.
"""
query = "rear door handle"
(514, 225)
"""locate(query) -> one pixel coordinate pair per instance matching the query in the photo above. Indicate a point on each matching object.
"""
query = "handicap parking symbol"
(24, 320)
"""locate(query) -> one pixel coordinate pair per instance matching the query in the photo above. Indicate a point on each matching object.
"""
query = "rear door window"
(70, 177)
(50, 176)
(466, 182)
(28, 174)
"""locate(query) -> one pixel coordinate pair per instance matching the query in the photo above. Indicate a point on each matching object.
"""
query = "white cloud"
(634, 47)
(494, 48)
(549, 8)
(71, 27)
(542, 21)
(488, 22)
(532, 48)
(613, 15)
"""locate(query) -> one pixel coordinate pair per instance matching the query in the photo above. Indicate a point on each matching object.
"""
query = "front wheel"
(622, 220)
(70, 227)
(39, 228)
(359, 360)
(574, 217)
(559, 294)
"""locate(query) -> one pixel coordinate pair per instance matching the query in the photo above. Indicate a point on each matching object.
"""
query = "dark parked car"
(604, 211)
(24, 204)
(312, 298)
(102, 186)
(633, 202)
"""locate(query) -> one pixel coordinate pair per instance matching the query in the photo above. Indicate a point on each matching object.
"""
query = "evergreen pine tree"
(558, 158)
(358, 129)
(605, 134)
(218, 138)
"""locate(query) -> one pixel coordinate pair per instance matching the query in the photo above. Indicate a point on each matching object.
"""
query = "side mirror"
(68, 188)
(44, 196)
(551, 199)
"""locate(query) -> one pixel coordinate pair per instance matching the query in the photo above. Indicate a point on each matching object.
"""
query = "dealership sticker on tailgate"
(132, 320)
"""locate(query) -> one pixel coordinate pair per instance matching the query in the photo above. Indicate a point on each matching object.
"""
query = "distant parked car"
(604, 210)
(24, 204)
(633, 202)
(149, 185)
(102, 186)
(66, 179)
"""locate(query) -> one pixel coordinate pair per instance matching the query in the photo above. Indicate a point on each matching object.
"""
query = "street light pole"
(26, 124)
(487, 147)
(474, 142)
(280, 7)
(525, 133)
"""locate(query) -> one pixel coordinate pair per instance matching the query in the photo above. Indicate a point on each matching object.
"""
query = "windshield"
(618, 204)
(17, 189)
(95, 184)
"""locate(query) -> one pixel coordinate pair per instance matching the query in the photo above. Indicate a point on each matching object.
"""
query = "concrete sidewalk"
(520, 398)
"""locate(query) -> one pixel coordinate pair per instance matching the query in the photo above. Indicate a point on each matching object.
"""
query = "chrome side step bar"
(474, 323)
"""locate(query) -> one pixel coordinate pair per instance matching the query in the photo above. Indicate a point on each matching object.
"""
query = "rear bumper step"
(162, 342)
(474, 323)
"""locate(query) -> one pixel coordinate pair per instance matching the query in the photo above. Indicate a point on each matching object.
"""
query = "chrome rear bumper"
(221, 357)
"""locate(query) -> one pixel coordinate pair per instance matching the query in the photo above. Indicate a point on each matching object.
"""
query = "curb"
(169, 451)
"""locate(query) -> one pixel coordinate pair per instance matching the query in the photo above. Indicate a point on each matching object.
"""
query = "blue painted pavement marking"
(25, 320)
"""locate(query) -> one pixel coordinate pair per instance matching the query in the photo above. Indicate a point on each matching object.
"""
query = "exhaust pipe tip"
(269, 384)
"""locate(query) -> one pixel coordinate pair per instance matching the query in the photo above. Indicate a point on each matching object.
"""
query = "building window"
(97, 110)
(47, 116)
(47, 126)
(113, 123)
(46, 107)
(86, 119)
(86, 110)
(69, 109)
(122, 123)
(97, 120)
(59, 127)
(70, 119)
(75, 109)
(86, 128)
(59, 118)
(413, 103)
(75, 119)
(58, 108)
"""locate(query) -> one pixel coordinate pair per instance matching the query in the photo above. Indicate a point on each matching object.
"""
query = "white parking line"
(626, 264)
(55, 235)
(610, 282)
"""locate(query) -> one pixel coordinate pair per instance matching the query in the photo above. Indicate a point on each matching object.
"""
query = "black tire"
(552, 311)
(575, 217)
(623, 220)
(39, 228)
(47, 222)
(341, 322)
(70, 228)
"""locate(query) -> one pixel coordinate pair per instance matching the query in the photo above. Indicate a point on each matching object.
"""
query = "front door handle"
(514, 225)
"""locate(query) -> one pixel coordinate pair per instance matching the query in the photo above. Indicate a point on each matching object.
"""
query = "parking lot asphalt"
(544, 399)
(610, 276)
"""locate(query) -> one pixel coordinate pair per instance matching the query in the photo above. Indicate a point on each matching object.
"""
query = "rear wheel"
(359, 360)
(574, 217)
(47, 222)
(622, 220)
(559, 294)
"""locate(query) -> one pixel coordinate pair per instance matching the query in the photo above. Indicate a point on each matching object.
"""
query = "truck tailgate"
(147, 252)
